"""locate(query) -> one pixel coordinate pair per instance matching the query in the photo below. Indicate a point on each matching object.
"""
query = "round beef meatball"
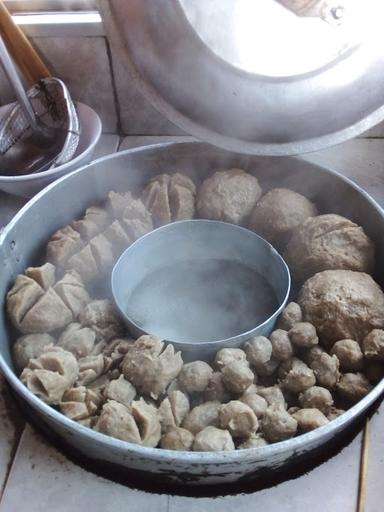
(309, 419)
(316, 397)
(238, 418)
(255, 441)
(373, 345)
(281, 345)
(225, 356)
(353, 386)
(177, 439)
(258, 350)
(290, 316)
(349, 354)
(278, 213)
(303, 334)
(296, 376)
(342, 304)
(237, 376)
(228, 195)
(329, 242)
(194, 377)
(278, 424)
(212, 439)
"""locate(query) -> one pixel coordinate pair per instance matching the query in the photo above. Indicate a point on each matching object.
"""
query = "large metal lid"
(253, 76)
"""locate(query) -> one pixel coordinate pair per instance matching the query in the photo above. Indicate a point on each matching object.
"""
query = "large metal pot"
(22, 243)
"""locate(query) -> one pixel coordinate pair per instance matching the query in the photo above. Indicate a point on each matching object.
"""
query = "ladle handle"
(15, 81)
(23, 53)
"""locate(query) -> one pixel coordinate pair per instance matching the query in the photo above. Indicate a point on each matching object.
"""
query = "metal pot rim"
(193, 458)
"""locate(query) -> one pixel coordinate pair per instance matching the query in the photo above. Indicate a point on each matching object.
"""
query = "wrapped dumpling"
(95, 220)
(90, 368)
(44, 275)
(102, 317)
(51, 374)
(62, 245)
(151, 366)
(71, 290)
(77, 339)
(30, 347)
(137, 424)
(80, 403)
(84, 263)
(34, 310)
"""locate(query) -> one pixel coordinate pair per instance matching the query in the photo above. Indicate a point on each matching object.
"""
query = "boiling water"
(201, 300)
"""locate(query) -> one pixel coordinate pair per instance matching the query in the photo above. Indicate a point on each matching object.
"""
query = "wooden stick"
(23, 53)
(363, 469)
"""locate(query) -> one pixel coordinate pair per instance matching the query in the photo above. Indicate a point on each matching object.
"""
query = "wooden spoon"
(23, 53)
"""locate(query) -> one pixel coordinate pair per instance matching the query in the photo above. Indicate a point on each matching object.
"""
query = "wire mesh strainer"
(53, 106)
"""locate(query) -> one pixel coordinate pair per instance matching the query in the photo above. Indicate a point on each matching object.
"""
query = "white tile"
(11, 425)
(331, 486)
(375, 473)
(136, 113)
(362, 160)
(42, 479)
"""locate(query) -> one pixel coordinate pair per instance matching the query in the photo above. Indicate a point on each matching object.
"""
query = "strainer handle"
(15, 81)
(21, 50)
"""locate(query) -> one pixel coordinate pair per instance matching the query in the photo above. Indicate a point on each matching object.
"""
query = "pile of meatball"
(326, 353)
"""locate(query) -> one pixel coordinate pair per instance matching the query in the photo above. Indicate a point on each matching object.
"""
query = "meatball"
(228, 195)
(258, 350)
(173, 409)
(120, 390)
(329, 242)
(170, 198)
(177, 439)
(342, 304)
(309, 419)
(316, 397)
(303, 334)
(349, 354)
(326, 370)
(281, 345)
(296, 376)
(278, 424)
(151, 366)
(267, 369)
(290, 316)
(216, 389)
(313, 353)
(334, 413)
(51, 374)
(237, 376)
(353, 387)
(373, 345)
(374, 371)
(238, 418)
(273, 395)
(212, 439)
(257, 403)
(255, 441)
(29, 347)
(225, 356)
(194, 377)
(278, 212)
(201, 416)
(101, 316)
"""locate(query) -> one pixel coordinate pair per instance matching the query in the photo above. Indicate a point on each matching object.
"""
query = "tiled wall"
(94, 68)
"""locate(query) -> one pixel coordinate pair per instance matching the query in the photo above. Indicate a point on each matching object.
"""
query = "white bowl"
(28, 185)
